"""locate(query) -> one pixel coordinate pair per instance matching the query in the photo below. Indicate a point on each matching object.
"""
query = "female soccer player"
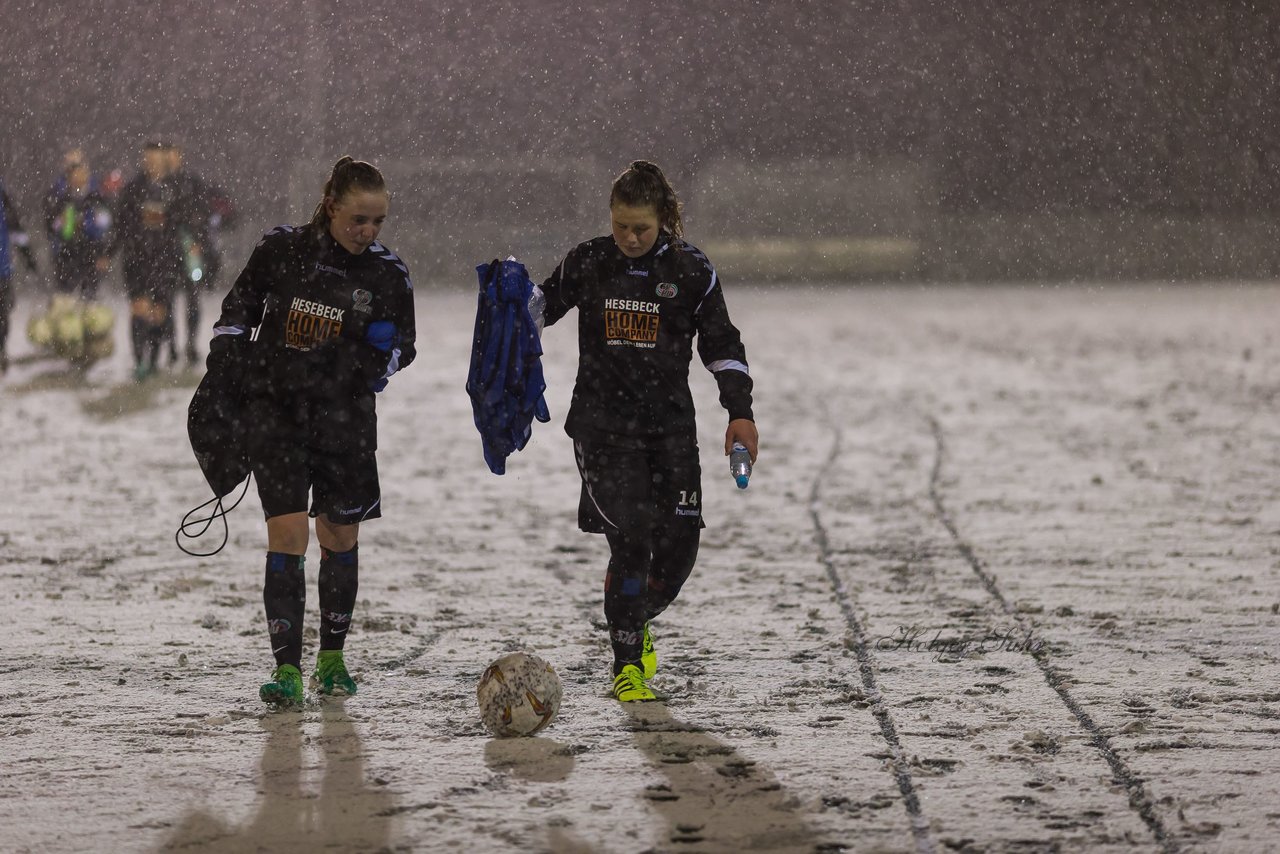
(333, 309)
(642, 295)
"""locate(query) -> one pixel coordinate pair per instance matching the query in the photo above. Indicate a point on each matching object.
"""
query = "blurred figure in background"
(222, 216)
(78, 223)
(149, 227)
(213, 208)
(112, 184)
(12, 239)
(195, 229)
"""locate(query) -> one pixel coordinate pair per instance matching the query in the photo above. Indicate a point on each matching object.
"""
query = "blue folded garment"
(505, 382)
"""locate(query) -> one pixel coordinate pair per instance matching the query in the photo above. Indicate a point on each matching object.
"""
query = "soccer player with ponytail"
(642, 295)
(333, 311)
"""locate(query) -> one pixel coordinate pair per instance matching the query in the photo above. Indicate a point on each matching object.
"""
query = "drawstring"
(218, 512)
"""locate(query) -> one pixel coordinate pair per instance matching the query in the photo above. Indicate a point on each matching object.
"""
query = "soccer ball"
(518, 694)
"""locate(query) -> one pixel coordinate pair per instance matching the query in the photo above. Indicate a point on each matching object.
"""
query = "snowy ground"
(1005, 580)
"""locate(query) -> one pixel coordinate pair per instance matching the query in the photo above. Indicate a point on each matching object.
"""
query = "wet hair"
(348, 176)
(642, 184)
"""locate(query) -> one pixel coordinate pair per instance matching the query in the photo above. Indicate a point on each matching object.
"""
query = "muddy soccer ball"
(519, 694)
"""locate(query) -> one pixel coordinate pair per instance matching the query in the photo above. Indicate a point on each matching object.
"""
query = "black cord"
(218, 512)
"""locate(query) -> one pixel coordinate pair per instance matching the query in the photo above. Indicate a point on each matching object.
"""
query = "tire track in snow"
(1139, 800)
(901, 766)
(425, 641)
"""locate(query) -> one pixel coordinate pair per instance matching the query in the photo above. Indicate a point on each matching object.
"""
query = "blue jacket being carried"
(505, 381)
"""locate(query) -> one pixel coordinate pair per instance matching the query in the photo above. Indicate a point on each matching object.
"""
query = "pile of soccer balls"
(72, 329)
(519, 694)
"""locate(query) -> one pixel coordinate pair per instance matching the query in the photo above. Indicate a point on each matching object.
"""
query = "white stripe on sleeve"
(728, 365)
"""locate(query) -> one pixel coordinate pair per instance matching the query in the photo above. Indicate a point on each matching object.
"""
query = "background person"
(199, 223)
(642, 296)
(333, 309)
(150, 218)
(13, 239)
(78, 225)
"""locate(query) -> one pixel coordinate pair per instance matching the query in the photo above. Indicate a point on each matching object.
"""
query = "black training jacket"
(150, 219)
(312, 371)
(637, 318)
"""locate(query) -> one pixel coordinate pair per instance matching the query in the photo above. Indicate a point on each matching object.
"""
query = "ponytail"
(349, 175)
(642, 184)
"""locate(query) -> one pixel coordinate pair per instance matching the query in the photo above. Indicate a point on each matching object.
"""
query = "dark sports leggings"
(647, 504)
(645, 576)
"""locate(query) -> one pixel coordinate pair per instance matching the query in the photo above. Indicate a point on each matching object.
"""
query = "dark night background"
(1070, 139)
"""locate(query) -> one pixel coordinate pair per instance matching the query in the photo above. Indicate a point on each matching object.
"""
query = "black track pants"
(649, 505)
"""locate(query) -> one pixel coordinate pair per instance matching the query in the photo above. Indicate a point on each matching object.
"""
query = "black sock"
(138, 337)
(624, 585)
(339, 581)
(619, 663)
(284, 593)
(155, 337)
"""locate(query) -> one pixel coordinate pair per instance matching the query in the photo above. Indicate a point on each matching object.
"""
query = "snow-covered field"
(1006, 579)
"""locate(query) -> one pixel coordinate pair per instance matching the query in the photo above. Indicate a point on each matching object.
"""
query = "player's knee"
(288, 533)
(336, 538)
(677, 544)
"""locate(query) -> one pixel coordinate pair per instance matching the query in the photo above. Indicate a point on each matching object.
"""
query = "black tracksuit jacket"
(310, 368)
(637, 318)
(150, 218)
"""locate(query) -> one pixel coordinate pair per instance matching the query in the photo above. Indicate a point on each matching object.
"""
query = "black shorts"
(638, 491)
(343, 487)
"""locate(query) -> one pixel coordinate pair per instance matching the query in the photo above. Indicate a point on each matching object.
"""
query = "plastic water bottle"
(740, 464)
(193, 257)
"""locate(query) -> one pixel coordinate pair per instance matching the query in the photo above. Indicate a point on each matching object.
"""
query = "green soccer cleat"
(648, 655)
(284, 689)
(629, 686)
(331, 676)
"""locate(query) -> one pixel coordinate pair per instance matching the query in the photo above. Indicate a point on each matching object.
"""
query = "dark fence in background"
(835, 139)
(827, 220)
(832, 219)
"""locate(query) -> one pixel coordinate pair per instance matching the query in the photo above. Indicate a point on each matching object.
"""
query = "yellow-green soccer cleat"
(331, 676)
(284, 689)
(648, 655)
(629, 686)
